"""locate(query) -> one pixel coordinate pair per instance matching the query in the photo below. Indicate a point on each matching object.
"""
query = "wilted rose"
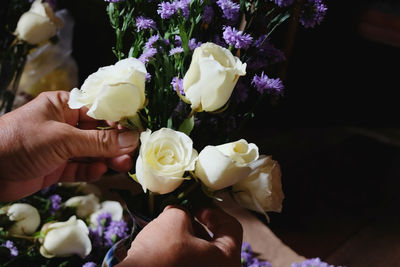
(262, 190)
(62, 239)
(211, 77)
(164, 157)
(113, 92)
(221, 166)
(38, 24)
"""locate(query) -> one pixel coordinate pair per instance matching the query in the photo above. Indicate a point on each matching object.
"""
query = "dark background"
(335, 132)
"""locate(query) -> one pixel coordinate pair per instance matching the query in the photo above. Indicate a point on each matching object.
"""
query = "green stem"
(191, 188)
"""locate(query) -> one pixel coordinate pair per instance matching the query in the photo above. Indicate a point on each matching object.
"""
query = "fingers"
(99, 143)
(121, 163)
(88, 172)
(177, 219)
(226, 229)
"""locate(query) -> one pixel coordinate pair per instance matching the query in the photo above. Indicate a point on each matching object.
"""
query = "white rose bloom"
(163, 158)
(62, 239)
(26, 218)
(114, 208)
(221, 166)
(262, 190)
(38, 24)
(113, 92)
(211, 77)
(85, 205)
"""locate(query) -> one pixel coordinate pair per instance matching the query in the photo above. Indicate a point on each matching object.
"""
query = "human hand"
(44, 142)
(174, 239)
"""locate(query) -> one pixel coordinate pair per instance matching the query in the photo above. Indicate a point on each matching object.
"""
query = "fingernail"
(128, 139)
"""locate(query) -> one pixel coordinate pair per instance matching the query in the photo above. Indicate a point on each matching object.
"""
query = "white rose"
(26, 218)
(38, 24)
(113, 92)
(85, 205)
(163, 158)
(211, 77)
(221, 166)
(262, 190)
(114, 208)
(63, 239)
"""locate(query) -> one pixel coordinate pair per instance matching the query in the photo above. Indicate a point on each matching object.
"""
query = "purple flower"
(193, 44)
(115, 231)
(236, 38)
(104, 219)
(55, 202)
(177, 84)
(177, 40)
(143, 23)
(265, 54)
(13, 249)
(313, 13)
(148, 77)
(147, 54)
(151, 41)
(264, 84)
(176, 50)
(208, 14)
(95, 236)
(183, 5)
(89, 264)
(166, 9)
(316, 262)
(249, 259)
(282, 3)
(229, 9)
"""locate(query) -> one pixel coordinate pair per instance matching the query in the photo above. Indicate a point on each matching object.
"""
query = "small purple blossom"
(143, 23)
(166, 9)
(115, 231)
(13, 249)
(313, 13)
(177, 84)
(95, 236)
(147, 54)
(282, 3)
(183, 5)
(104, 218)
(265, 55)
(177, 40)
(176, 50)
(229, 9)
(249, 259)
(151, 41)
(208, 14)
(55, 202)
(89, 264)
(316, 262)
(193, 44)
(264, 84)
(236, 38)
(148, 77)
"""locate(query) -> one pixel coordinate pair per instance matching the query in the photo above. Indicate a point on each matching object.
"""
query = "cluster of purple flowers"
(13, 249)
(107, 232)
(313, 13)
(283, 3)
(89, 264)
(264, 84)
(249, 259)
(229, 9)
(316, 262)
(55, 203)
(167, 9)
(143, 23)
(236, 38)
(177, 84)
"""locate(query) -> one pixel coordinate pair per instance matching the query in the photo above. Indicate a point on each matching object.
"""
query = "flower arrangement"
(189, 75)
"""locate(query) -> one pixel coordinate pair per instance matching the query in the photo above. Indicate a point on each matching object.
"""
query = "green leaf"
(187, 126)
(169, 123)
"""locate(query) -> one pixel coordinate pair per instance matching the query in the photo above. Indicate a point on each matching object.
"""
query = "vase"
(119, 250)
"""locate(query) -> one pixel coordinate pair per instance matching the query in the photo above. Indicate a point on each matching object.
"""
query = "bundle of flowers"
(67, 224)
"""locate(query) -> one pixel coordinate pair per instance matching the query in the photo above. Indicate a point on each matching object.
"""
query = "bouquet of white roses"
(188, 76)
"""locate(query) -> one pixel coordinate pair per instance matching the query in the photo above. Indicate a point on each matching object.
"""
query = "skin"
(175, 239)
(44, 142)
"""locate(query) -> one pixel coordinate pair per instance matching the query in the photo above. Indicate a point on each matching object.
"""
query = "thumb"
(100, 143)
